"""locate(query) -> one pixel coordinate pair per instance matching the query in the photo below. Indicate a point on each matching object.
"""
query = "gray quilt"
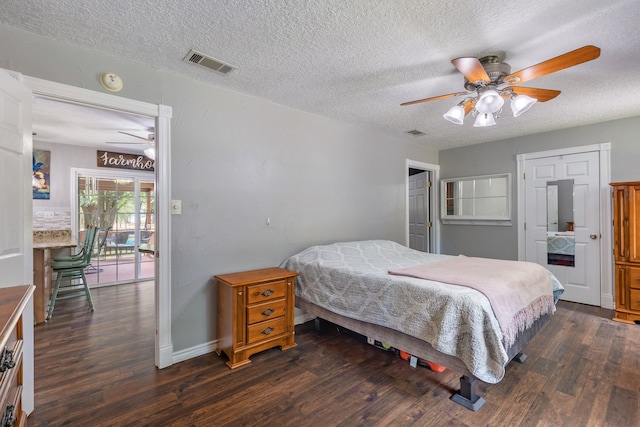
(352, 279)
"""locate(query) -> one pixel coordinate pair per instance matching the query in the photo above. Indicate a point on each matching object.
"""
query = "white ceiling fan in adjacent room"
(149, 139)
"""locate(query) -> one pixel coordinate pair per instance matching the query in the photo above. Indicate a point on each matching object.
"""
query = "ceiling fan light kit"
(455, 114)
(489, 102)
(150, 153)
(521, 103)
(489, 82)
(484, 120)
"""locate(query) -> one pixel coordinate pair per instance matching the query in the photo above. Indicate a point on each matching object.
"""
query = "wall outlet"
(48, 214)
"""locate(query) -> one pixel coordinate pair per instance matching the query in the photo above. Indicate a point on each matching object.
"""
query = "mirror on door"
(560, 232)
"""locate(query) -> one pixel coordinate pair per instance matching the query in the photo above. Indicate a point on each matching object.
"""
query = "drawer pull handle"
(267, 292)
(9, 418)
(268, 312)
(7, 361)
(267, 331)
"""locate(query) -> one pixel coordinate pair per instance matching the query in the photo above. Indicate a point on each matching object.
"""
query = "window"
(478, 200)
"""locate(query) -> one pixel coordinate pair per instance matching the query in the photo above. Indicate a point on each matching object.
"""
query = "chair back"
(89, 241)
(85, 259)
(102, 239)
(89, 238)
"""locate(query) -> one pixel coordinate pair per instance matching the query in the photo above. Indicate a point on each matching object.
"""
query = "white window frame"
(473, 219)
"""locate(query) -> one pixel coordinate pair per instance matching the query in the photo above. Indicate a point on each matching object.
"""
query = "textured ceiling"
(357, 61)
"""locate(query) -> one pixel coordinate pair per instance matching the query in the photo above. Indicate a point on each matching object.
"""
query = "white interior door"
(16, 237)
(418, 212)
(582, 280)
(16, 233)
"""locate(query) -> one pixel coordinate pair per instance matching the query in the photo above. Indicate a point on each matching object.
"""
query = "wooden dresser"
(13, 301)
(626, 250)
(255, 312)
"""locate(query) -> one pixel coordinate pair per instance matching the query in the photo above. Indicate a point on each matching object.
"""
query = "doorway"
(419, 211)
(422, 229)
(162, 115)
(564, 217)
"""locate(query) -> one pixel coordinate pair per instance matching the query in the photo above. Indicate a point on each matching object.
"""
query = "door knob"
(593, 236)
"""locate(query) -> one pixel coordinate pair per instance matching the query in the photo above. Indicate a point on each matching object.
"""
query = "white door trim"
(434, 235)
(162, 113)
(606, 234)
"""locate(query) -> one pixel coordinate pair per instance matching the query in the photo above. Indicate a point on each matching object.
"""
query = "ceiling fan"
(489, 81)
(150, 139)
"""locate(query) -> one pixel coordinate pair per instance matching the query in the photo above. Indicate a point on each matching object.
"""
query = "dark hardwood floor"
(97, 369)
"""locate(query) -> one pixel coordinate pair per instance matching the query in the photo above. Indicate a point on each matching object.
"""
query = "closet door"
(580, 273)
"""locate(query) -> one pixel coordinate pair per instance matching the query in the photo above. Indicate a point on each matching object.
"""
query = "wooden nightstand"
(255, 313)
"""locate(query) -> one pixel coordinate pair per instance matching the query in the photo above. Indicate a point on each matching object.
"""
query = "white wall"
(237, 160)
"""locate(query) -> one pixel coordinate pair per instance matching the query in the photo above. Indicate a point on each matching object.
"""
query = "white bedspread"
(352, 279)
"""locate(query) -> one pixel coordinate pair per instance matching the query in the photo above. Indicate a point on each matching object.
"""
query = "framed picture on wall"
(40, 179)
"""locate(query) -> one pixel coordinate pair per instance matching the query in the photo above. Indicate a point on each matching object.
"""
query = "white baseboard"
(164, 357)
(211, 346)
(607, 302)
(199, 350)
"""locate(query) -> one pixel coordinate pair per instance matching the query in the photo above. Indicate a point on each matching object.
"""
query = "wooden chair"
(68, 271)
(101, 241)
(78, 256)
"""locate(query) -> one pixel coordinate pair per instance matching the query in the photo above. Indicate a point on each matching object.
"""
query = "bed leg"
(520, 357)
(467, 396)
(317, 324)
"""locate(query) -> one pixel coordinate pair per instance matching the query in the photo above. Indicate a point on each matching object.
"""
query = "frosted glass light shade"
(490, 101)
(484, 120)
(455, 115)
(150, 153)
(521, 103)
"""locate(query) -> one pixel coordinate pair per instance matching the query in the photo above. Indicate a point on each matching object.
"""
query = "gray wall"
(500, 156)
(237, 160)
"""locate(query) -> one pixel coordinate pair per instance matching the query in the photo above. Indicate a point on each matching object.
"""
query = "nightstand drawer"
(266, 291)
(265, 330)
(265, 311)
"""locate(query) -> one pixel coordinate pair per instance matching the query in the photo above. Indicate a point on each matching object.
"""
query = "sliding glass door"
(122, 206)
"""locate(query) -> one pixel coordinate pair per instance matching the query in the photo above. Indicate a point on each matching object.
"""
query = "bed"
(349, 284)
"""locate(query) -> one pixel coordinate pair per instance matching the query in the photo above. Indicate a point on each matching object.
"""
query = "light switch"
(176, 207)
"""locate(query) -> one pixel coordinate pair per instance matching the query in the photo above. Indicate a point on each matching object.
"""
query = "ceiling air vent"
(196, 57)
(415, 132)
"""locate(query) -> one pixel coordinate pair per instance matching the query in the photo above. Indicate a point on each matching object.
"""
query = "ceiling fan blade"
(541, 95)
(135, 136)
(468, 106)
(472, 69)
(435, 98)
(569, 59)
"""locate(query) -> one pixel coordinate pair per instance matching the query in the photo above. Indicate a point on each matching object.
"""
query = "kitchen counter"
(44, 241)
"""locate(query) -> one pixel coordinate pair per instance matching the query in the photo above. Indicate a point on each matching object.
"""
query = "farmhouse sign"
(109, 159)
